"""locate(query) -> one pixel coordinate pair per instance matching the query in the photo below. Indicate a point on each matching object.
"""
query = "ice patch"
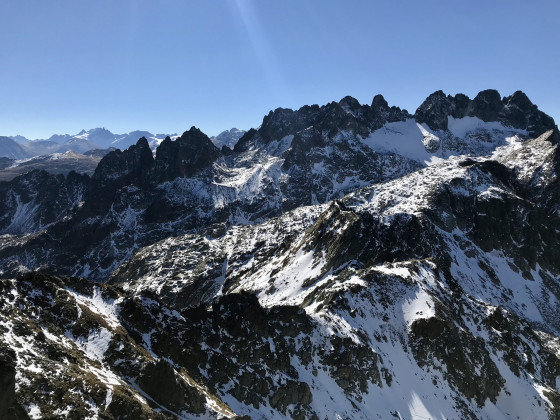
(419, 306)
(33, 411)
(468, 135)
(106, 308)
(95, 345)
(403, 137)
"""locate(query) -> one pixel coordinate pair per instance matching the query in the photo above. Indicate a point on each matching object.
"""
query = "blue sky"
(164, 66)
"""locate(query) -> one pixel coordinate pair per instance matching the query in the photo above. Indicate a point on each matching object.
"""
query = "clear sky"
(166, 65)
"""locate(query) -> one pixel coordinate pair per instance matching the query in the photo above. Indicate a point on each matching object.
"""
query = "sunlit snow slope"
(346, 261)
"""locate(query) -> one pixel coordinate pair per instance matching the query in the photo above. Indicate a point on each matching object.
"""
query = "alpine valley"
(343, 261)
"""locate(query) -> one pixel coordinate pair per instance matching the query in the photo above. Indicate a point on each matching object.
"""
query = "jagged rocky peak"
(385, 113)
(515, 111)
(350, 103)
(520, 100)
(434, 111)
(135, 160)
(184, 156)
(190, 153)
(276, 125)
(330, 119)
(522, 113)
(379, 102)
(486, 105)
(282, 121)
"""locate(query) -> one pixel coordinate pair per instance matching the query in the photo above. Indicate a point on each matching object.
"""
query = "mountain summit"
(515, 111)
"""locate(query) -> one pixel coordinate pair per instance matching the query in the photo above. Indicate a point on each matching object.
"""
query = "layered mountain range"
(340, 261)
(81, 153)
(97, 138)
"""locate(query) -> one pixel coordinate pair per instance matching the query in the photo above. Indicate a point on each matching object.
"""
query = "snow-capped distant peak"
(227, 138)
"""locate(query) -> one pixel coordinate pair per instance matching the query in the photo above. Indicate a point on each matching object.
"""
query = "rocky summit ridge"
(341, 261)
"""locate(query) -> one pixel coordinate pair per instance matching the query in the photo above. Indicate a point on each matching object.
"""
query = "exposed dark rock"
(292, 392)
(383, 113)
(190, 153)
(130, 164)
(160, 381)
(486, 105)
(515, 111)
(355, 366)
(434, 111)
(468, 363)
(9, 407)
(519, 112)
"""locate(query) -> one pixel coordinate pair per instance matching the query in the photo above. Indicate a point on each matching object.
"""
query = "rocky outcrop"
(163, 384)
(467, 362)
(383, 112)
(190, 153)
(92, 367)
(9, 407)
(435, 110)
(130, 165)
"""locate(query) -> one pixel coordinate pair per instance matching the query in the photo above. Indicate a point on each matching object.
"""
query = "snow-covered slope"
(464, 136)
(343, 261)
(71, 350)
(458, 315)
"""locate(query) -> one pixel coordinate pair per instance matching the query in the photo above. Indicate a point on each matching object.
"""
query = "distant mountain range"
(19, 147)
(62, 153)
(10, 149)
(227, 138)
